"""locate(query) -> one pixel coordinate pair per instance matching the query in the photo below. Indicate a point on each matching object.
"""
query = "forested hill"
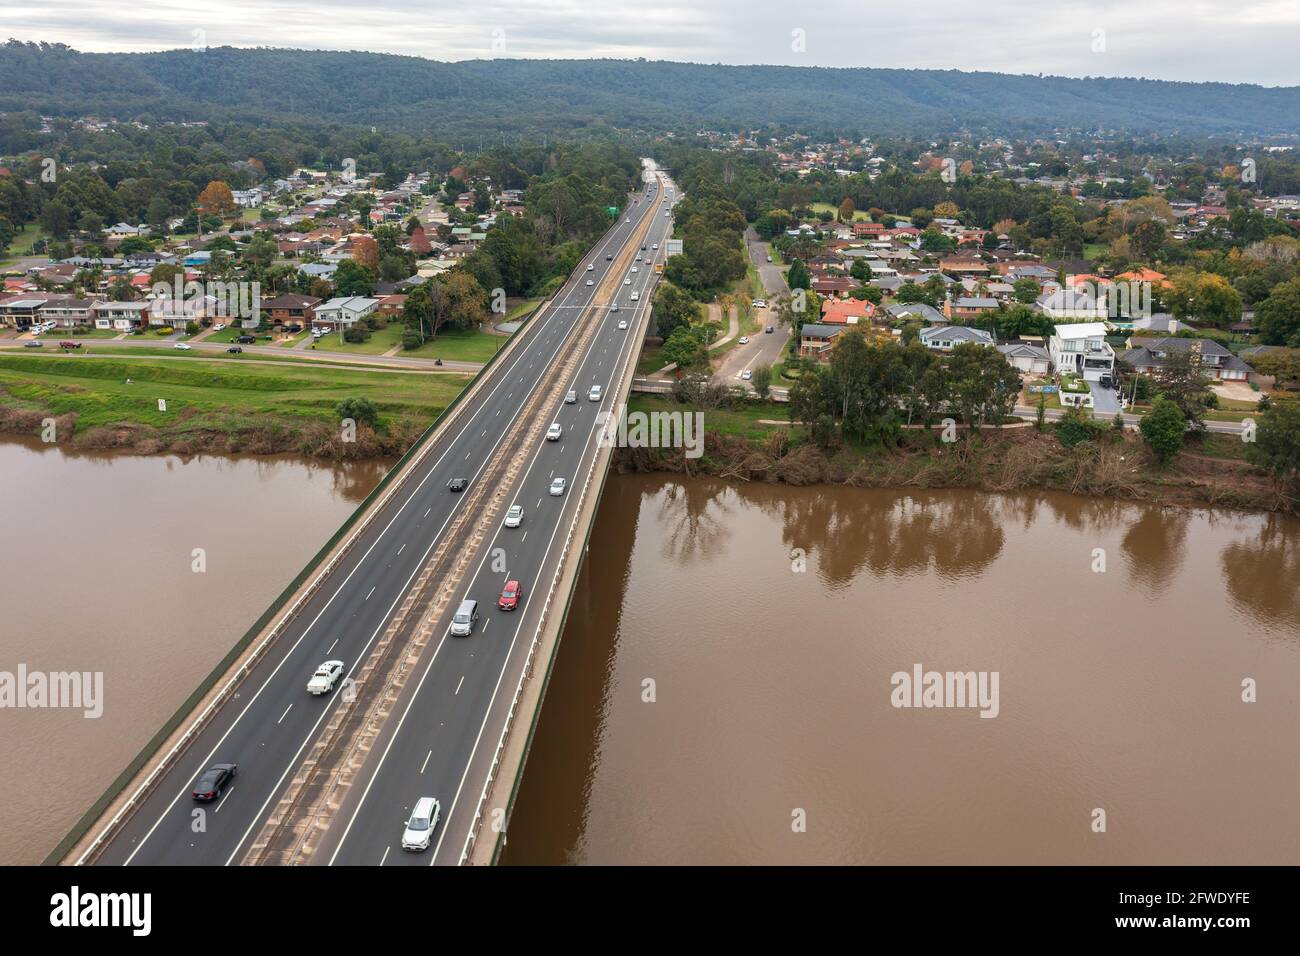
(535, 97)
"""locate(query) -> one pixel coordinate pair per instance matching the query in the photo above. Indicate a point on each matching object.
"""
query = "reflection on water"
(98, 554)
(1119, 689)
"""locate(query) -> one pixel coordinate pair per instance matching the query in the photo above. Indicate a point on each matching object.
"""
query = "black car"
(768, 329)
(458, 484)
(234, 350)
(213, 782)
(246, 339)
(609, 257)
(643, 248)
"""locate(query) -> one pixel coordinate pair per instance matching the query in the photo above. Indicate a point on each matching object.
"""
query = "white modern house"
(944, 338)
(1081, 349)
(1071, 304)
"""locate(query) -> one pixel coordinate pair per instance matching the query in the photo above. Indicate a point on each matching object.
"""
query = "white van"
(462, 623)
(419, 828)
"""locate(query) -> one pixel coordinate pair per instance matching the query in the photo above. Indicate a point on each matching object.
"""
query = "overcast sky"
(1255, 41)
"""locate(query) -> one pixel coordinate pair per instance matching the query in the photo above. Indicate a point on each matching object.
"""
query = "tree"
(56, 219)
(1026, 290)
(984, 384)
(217, 199)
(762, 380)
(1279, 315)
(351, 278)
(860, 270)
(684, 348)
(361, 410)
(365, 251)
(1164, 428)
(672, 308)
(797, 277)
(1180, 381)
(1276, 448)
(847, 209)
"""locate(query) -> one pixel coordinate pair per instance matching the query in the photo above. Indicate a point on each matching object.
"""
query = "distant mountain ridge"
(537, 97)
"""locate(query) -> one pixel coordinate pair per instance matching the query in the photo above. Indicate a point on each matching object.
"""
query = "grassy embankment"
(1211, 470)
(216, 406)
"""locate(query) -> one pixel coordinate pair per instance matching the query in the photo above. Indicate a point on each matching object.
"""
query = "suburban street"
(762, 349)
(435, 743)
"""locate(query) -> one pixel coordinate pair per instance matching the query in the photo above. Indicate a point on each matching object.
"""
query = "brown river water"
(771, 736)
(99, 576)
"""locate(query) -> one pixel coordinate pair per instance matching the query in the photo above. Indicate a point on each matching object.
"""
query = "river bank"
(193, 407)
(1210, 471)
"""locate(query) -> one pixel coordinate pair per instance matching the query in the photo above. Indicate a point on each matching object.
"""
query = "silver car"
(557, 487)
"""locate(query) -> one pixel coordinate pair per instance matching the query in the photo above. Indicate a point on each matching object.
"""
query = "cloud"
(1223, 40)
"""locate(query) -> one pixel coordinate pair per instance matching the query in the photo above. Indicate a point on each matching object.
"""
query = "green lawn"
(474, 345)
(727, 421)
(522, 309)
(378, 343)
(826, 209)
(206, 394)
(22, 244)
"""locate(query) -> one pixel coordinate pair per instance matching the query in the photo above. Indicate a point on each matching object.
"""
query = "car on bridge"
(458, 484)
(326, 676)
(591, 267)
(570, 397)
(510, 595)
(590, 282)
(622, 326)
(515, 516)
(213, 782)
(418, 833)
(636, 296)
(554, 432)
(466, 616)
(557, 487)
(594, 394)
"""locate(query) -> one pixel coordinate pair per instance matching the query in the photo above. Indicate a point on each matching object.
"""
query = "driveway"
(1105, 403)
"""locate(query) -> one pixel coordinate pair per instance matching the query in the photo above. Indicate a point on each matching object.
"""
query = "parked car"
(325, 677)
(744, 340)
(515, 516)
(557, 487)
(213, 782)
(463, 621)
(183, 346)
(458, 484)
(418, 832)
(219, 327)
(553, 433)
(510, 594)
(235, 350)
(250, 339)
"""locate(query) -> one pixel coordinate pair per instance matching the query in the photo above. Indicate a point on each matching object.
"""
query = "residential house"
(291, 308)
(1066, 304)
(944, 338)
(1081, 349)
(846, 311)
(916, 311)
(344, 311)
(1027, 358)
(1146, 356)
(121, 316)
(818, 341)
(966, 308)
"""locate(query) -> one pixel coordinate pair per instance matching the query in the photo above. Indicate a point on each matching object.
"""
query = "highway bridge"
(332, 779)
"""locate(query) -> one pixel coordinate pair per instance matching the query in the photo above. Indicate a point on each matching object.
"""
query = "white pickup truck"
(326, 676)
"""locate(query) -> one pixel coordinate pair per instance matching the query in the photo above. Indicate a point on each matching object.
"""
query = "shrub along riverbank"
(219, 407)
(1210, 470)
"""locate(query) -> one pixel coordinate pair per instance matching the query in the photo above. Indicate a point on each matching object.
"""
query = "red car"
(509, 599)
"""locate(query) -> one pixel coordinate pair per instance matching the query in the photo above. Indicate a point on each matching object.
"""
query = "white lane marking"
(223, 800)
(284, 715)
(402, 548)
(372, 591)
(426, 761)
(456, 694)
(426, 511)
(524, 538)
(385, 856)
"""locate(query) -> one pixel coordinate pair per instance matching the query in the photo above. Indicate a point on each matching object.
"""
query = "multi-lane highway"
(438, 739)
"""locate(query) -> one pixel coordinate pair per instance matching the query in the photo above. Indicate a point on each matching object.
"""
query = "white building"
(345, 311)
(1082, 349)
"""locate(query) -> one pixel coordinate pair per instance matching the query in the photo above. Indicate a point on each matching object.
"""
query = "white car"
(591, 267)
(570, 397)
(183, 346)
(769, 258)
(627, 220)
(635, 297)
(590, 282)
(219, 327)
(515, 516)
(622, 326)
(654, 245)
(418, 833)
(593, 395)
(627, 281)
(744, 340)
(326, 676)
(557, 487)
(634, 268)
(746, 375)
(554, 432)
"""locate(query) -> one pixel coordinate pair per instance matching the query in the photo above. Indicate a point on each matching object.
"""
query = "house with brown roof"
(291, 308)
